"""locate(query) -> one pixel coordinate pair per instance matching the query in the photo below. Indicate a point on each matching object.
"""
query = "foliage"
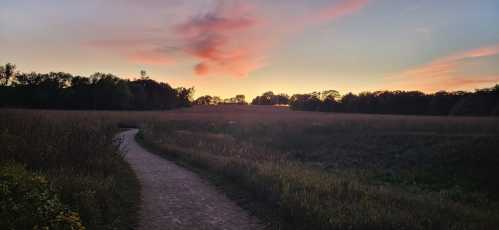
(269, 98)
(27, 202)
(482, 102)
(98, 92)
(81, 160)
(6, 73)
(205, 100)
(209, 100)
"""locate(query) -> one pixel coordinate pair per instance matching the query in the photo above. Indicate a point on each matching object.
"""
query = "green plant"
(27, 202)
(364, 173)
(80, 158)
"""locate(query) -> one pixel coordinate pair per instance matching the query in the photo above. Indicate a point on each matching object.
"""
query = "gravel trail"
(175, 198)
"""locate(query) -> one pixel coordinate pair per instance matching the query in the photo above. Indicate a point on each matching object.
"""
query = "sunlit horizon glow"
(229, 47)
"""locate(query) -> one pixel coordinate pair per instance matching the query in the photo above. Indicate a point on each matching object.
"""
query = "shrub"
(27, 202)
(80, 158)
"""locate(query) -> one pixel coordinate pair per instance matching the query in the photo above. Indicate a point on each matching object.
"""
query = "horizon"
(223, 48)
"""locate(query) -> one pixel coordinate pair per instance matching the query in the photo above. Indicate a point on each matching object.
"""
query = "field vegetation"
(305, 170)
(63, 171)
(343, 171)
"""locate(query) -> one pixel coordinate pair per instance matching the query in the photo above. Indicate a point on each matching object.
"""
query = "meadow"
(294, 170)
(343, 171)
(63, 170)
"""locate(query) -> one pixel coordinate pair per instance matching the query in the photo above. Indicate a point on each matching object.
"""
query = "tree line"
(216, 100)
(481, 102)
(268, 98)
(100, 91)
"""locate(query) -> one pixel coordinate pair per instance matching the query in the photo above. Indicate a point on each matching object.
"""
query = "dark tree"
(309, 102)
(216, 100)
(204, 100)
(269, 98)
(184, 96)
(7, 73)
(482, 102)
(442, 102)
(240, 99)
(99, 91)
(114, 89)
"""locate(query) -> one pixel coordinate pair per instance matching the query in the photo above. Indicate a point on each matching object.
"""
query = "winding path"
(175, 198)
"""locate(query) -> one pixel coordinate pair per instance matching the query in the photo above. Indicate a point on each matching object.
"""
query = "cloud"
(335, 11)
(224, 41)
(201, 69)
(471, 81)
(233, 39)
(444, 72)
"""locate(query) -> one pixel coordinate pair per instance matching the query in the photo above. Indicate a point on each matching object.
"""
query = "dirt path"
(175, 198)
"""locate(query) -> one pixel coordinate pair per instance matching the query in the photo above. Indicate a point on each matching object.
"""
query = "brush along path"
(175, 198)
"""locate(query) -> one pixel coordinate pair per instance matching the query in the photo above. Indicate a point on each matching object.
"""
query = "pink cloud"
(201, 69)
(472, 81)
(224, 40)
(233, 39)
(335, 11)
(454, 83)
(476, 53)
(444, 72)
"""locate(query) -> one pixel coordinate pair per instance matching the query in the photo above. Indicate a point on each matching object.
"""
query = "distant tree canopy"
(482, 102)
(209, 100)
(98, 92)
(269, 98)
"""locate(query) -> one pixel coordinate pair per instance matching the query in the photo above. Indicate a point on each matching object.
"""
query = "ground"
(175, 198)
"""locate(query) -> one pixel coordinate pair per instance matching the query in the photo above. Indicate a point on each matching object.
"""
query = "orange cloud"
(201, 69)
(335, 11)
(472, 82)
(224, 40)
(233, 39)
(444, 72)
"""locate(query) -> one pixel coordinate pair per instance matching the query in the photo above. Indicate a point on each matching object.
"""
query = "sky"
(229, 47)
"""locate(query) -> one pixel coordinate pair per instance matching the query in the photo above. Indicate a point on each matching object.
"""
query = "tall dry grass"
(314, 170)
(346, 171)
(80, 158)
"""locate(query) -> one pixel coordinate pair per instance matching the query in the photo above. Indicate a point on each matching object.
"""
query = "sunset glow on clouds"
(226, 47)
(446, 71)
(224, 40)
(334, 11)
(233, 39)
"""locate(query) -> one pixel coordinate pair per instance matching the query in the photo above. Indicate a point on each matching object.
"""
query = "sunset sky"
(228, 47)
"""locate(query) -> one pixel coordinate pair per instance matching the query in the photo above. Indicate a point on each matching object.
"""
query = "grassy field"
(307, 170)
(344, 171)
(63, 170)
